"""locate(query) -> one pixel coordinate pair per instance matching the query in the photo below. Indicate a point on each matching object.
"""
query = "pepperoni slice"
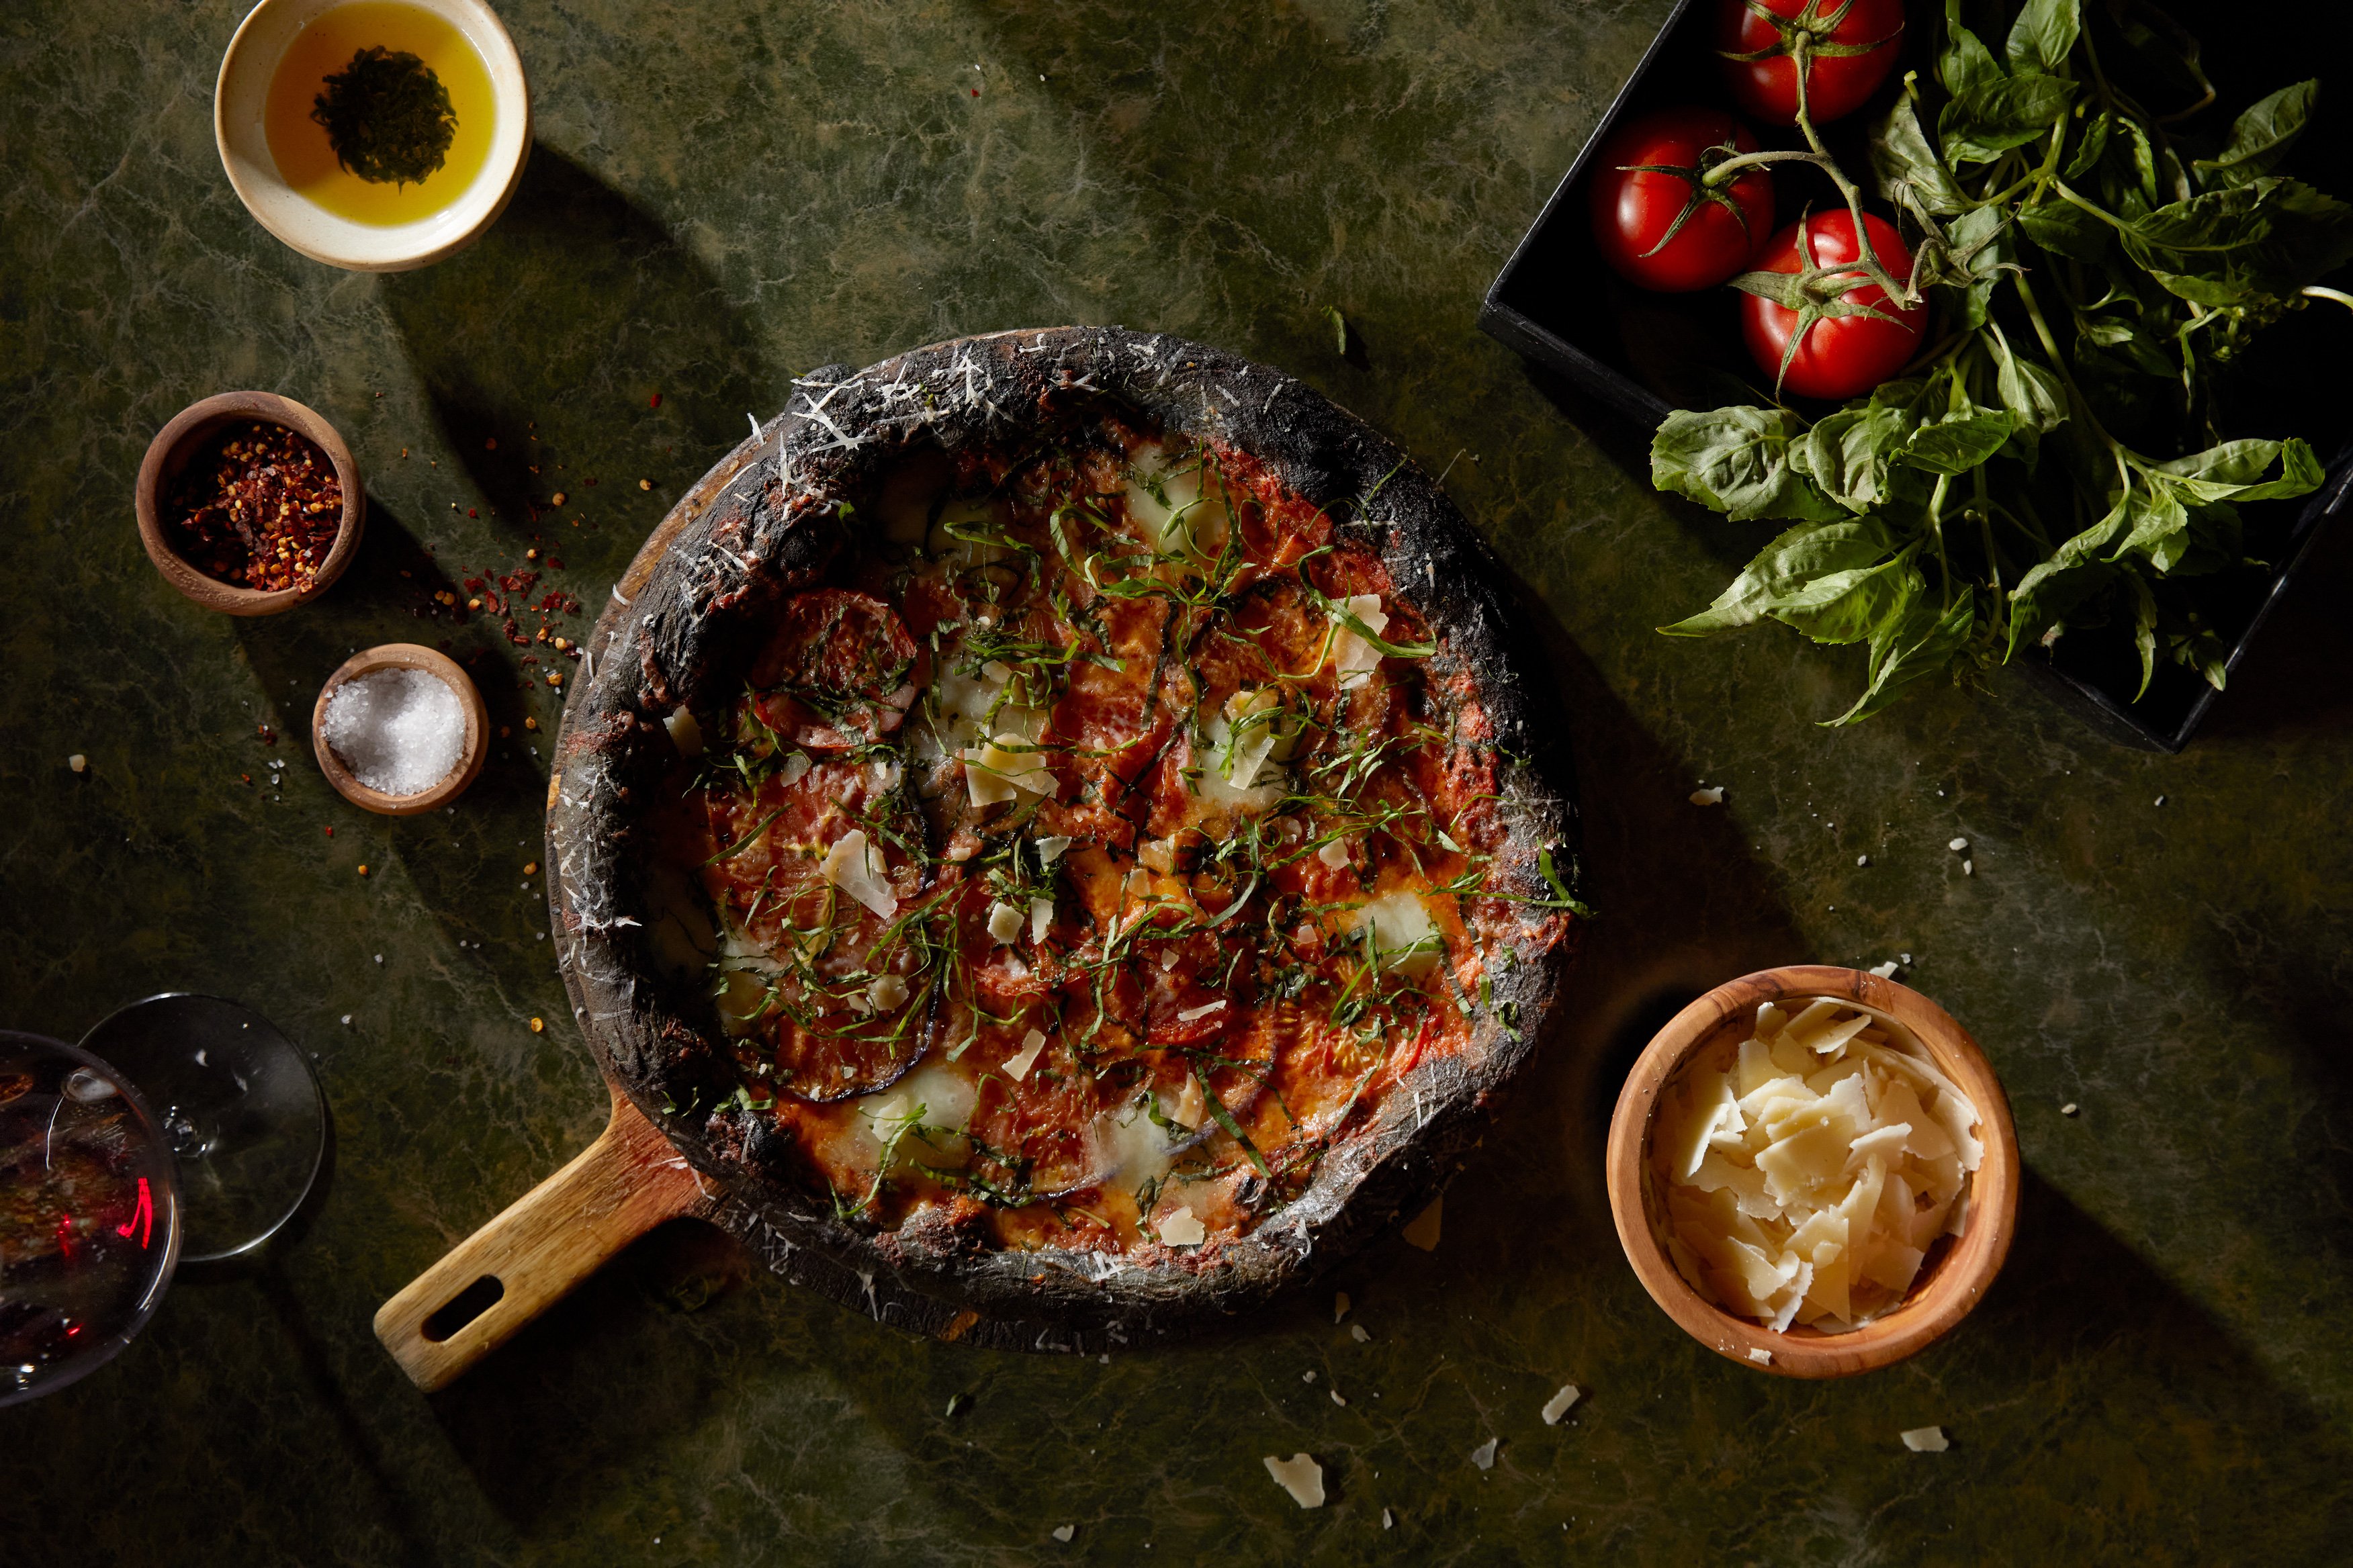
(840, 672)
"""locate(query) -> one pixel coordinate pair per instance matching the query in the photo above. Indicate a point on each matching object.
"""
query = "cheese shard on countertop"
(1300, 1476)
(1925, 1440)
(1809, 1169)
(1557, 1405)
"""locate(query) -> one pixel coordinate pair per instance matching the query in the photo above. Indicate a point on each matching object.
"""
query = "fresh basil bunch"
(2091, 273)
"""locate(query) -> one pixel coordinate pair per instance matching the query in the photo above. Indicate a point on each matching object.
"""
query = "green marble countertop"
(724, 195)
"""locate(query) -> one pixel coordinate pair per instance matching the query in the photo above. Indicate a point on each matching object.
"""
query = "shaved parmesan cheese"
(1809, 1169)
(1339, 1306)
(1005, 769)
(1483, 1456)
(1062, 1531)
(1884, 971)
(1187, 1014)
(1714, 795)
(887, 994)
(1352, 656)
(1004, 922)
(1049, 849)
(1300, 1476)
(1017, 1065)
(684, 733)
(1335, 853)
(1357, 1331)
(1041, 915)
(1183, 1227)
(1761, 1355)
(1925, 1439)
(1422, 1229)
(795, 768)
(856, 868)
(1557, 1405)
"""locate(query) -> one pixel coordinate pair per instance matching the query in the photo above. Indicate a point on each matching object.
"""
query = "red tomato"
(1837, 84)
(1841, 356)
(1634, 211)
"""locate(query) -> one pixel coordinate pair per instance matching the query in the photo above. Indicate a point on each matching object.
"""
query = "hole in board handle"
(464, 1308)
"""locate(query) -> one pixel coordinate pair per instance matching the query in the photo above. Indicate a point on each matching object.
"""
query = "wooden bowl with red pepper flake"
(250, 503)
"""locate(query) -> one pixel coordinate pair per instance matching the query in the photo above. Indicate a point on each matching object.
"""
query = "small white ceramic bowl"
(242, 94)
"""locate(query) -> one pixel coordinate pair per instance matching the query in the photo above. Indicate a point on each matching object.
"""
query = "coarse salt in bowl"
(400, 731)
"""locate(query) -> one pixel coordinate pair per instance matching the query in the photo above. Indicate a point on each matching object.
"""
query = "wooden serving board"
(496, 1282)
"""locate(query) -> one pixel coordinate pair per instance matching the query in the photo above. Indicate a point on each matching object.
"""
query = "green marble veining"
(726, 194)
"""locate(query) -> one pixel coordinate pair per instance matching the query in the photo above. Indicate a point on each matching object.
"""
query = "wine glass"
(89, 1214)
(207, 1157)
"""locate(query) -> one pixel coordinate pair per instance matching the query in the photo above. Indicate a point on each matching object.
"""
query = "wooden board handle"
(525, 1261)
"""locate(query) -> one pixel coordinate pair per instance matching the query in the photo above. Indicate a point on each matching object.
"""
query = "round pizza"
(1081, 823)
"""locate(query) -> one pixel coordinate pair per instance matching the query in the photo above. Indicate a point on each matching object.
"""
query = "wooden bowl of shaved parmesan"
(1814, 1172)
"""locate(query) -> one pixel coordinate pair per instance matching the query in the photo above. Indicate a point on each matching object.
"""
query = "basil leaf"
(1848, 606)
(2270, 237)
(1907, 171)
(2233, 471)
(1783, 572)
(1958, 444)
(2074, 572)
(1987, 119)
(2034, 398)
(1846, 453)
(2260, 137)
(2089, 150)
(1981, 248)
(1737, 460)
(2063, 228)
(2160, 528)
(2143, 629)
(1909, 646)
(1965, 62)
(2044, 33)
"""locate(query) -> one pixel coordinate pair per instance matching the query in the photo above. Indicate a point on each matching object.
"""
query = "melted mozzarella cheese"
(1179, 514)
(1404, 936)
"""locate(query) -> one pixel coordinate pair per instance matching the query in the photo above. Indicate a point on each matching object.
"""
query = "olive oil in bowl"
(380, 112)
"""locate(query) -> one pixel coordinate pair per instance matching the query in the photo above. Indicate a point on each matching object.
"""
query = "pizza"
(1074, 835)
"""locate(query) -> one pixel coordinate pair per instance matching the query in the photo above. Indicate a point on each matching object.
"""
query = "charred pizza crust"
(764, 546)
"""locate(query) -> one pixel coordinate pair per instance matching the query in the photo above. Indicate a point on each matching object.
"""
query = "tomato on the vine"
(1839, 355)
(1849, 45)
(1659, 219)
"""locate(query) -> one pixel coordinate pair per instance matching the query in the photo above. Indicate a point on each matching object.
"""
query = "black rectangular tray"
(1646, 355)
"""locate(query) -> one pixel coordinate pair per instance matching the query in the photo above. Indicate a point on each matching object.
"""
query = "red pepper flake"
(473, 585)
(330, 833)
(471, 512)
(267, 735)
(490, 443)
(554, 565)
(257, 507)
(976, 92)
(654, 401)
(518, 582)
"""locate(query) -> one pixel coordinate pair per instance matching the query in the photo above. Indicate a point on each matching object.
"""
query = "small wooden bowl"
(177, 442)
(1956, 1275)
(403, 655)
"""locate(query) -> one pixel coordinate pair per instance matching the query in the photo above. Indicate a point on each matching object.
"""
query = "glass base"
(239, 1104)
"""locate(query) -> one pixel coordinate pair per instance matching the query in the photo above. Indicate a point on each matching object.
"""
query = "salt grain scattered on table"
(400, 731)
